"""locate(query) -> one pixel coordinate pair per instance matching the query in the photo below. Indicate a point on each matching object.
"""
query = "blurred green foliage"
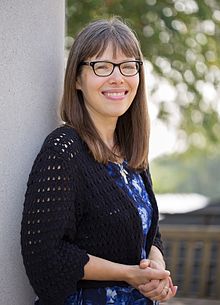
(181, 39)
(187, 173)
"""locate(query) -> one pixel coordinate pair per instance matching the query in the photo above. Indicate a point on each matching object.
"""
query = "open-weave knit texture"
(73, 207)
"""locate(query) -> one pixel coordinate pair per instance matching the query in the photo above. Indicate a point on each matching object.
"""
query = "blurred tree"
(181, 41)
(187, 173)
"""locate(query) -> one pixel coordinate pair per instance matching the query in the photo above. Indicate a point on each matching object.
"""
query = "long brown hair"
(132, 128)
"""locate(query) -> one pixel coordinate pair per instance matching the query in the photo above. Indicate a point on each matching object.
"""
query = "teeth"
(115, 93)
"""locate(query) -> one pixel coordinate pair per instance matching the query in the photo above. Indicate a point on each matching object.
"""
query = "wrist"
(129, 273)
(156, 256)
(157, 263)
(162, 264)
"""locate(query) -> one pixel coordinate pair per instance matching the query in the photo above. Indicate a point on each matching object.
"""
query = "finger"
(174, 290)
(154, 289)
(169, 295)
(172, 287)
(149, 287)
(165, 295)
(155, 274)
(162, 293)
(144, 263)
(170, 282)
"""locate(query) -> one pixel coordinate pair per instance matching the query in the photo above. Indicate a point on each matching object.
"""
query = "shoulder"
(65, 141)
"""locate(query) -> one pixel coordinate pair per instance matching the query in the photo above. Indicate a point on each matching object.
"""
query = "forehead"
(111, 51)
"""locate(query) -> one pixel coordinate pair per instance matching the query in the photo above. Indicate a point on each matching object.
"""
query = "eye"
(102, 66)
(129, 66)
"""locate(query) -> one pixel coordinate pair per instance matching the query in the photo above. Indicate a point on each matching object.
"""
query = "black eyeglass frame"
(92, 64)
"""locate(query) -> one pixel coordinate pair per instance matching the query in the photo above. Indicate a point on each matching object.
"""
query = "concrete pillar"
(31, 78)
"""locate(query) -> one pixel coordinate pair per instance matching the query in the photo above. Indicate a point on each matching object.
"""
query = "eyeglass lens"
(103, 68)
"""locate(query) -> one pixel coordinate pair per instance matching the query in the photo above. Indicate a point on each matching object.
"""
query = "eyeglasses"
(106, 68)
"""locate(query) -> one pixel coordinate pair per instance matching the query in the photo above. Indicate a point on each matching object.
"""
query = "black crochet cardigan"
(73, 207)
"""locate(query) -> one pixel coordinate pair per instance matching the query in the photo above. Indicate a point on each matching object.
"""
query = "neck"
(105, 127)
(106, 132)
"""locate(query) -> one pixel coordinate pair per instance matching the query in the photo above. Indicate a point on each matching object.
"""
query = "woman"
(90, 222)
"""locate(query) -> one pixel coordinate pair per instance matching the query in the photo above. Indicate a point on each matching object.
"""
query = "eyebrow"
(105, 59)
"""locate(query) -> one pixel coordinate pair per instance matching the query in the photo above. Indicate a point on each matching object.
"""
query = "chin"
(120, 112)
(119, 115)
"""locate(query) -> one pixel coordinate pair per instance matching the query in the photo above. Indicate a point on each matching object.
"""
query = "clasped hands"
(153, 281)
(157, 289)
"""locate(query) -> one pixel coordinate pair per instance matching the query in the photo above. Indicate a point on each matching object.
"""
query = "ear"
(78, 83)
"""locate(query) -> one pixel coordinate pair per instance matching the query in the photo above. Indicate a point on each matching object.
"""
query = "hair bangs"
(115, 34)
(119, 43)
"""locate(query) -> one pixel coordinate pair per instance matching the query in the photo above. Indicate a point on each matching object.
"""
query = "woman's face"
(107, 98)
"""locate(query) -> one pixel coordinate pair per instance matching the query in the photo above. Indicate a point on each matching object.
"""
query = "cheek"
(135, 81)
(87, 82)
(134, 84)
(94, 85)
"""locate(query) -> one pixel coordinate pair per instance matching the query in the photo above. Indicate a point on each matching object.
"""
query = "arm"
(157, 241)
(53, 264)
(160, 290)
(156, 255)
(103, 270)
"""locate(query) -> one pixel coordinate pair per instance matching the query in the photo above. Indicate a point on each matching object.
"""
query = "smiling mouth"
(115, 94)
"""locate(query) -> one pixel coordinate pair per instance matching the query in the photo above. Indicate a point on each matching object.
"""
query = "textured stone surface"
(31, 75)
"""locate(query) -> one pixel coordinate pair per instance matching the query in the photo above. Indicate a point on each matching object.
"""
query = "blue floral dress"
(131, 183)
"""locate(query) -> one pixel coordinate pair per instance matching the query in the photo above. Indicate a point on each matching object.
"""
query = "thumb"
(154, 274)
(144, 263)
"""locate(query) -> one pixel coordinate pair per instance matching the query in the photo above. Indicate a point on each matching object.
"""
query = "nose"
(116, 76)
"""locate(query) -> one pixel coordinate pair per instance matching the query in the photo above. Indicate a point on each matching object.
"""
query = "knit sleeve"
(158, 241)
(53, 263)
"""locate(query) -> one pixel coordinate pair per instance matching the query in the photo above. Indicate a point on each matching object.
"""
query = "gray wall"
(31, 76)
